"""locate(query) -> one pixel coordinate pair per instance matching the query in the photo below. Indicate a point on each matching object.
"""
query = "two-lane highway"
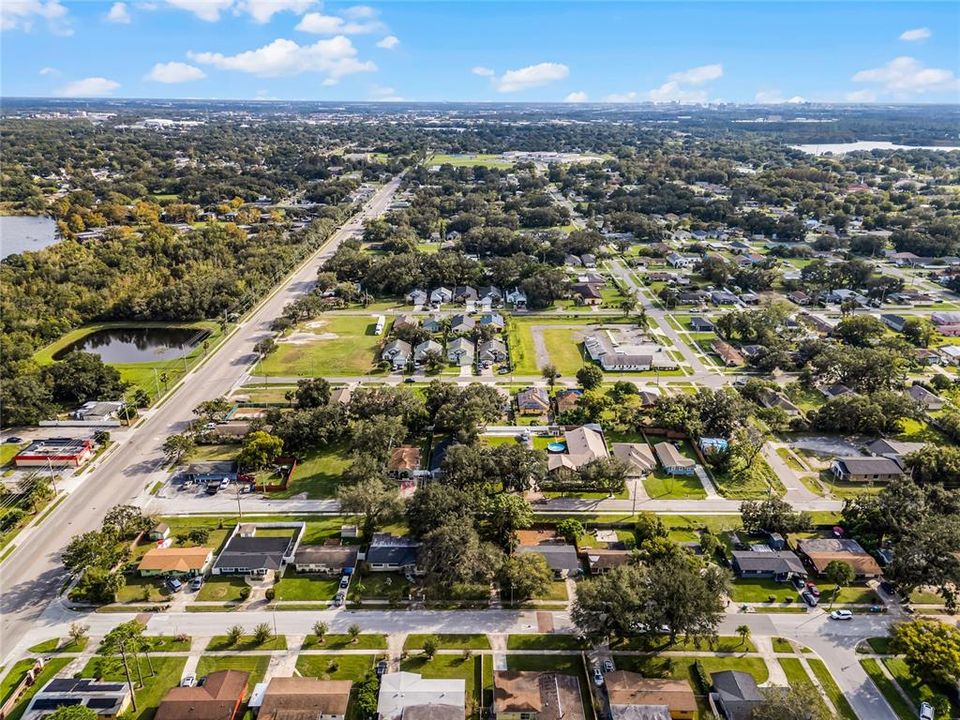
(32, 575)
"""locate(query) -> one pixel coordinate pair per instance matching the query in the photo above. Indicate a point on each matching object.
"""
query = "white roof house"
(402, 690)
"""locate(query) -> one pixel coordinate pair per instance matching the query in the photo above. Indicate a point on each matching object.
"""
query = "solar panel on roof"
(61, 685)
(54, 703)
(101, 703)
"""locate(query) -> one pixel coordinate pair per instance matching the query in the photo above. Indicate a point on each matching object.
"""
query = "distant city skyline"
(742, 52)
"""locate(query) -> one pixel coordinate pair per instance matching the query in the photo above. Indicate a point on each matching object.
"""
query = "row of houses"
(486, 297)
(461, 351)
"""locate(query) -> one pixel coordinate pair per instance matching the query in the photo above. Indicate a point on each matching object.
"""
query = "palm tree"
(550, 373)
(628, 305)
(744, 632)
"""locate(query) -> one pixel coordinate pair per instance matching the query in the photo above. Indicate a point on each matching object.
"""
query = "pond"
(844, 148)
(133, 345)
(20, 233)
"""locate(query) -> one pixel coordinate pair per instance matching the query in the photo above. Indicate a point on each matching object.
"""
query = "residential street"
(32, 574)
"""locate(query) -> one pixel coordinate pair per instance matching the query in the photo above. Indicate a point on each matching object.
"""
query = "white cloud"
(905, 76)
(384, 94)
(482, 71)
(49, 71)
(21, 15)
(119, 14)
(320, 24)
(578, 96)
(627, 97)
(530, 77)
(389, 42)
(262, 11)
(333, 58)
(861, 96)
(208, 10)
(359, 12)
(775, 97)
(697, 75)
(175, 72)
(915, 34)
(88, 87)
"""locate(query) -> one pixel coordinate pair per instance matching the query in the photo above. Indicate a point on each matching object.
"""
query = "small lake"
(20, 233)
(132, 345)
(860, 145)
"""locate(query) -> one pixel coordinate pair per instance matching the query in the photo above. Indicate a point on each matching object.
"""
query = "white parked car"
(841, 615)
(188, 681)
(926, 711)
(597, 676)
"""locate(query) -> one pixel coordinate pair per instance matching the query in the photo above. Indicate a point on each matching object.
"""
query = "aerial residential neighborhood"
(463, 402)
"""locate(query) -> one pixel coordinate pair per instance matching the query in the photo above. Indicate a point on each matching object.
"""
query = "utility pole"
(156, 379)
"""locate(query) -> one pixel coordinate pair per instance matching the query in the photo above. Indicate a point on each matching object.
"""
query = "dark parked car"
(888, 587)
(381, 668)
(173, 585)
(809, 598)
(14, 440)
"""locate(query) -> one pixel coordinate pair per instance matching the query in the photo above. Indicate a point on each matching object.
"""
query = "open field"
(469, 160)
(338, 345)
(317, 475)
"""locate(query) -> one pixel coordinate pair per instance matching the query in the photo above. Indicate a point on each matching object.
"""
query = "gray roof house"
(417, 297)
(433, 323)
(560, 556)
(699, 324)
(397, 353)
(866, 469)
(441, 295)
(892, 448)
(493, 350)
(255, 555)
(464, 294)
(494, 320)
(778, 564)
(489, 291)
(423, 348)
(392, 553)
(460, 351)
(927, 400)
(463, 324)
(735, 693)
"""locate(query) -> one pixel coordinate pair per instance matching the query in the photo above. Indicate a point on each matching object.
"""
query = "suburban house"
(561, 556)
(440, 296)
(417, 297)
(461, 352)
(778, 565)
(699, 324)
(392, 553)
(584, 445)
(210, 471)
(219, 698)
(341, 395)
(494, 320)
(680, 261)
(247, 554)
(432, 323)
(488, 292)
(533, 401)
(494, 350)
(638, 457)
(406, 322)
(326, 559)
(175, 561)
(587, 293)
(403, 465)
(926, 399)
(799, 297)
(731, 356)
(735, 694)
(893, 449)
(672, 460)
(894, 322)
(427, 346)
(98, 411)
(628, 692)
(866, 469)
(55, 452)
(772, 399)
(107, 699)
(517, 298)
(305, 698)
(601, 560)
(397, 353)
(950, 354)
(159, 533)
(834, 390)
(530, 695)
(820, 552)
(462, 324)
(463, 294)
(948, 323)
(410, 696)
(568, 399)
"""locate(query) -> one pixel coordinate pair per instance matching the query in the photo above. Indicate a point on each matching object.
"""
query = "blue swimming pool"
(557, 447)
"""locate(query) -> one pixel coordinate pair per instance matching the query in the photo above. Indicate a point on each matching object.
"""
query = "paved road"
(32, 575)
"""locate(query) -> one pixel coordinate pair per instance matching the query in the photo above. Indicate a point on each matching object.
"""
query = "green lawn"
(204, 453)
(754, 483)
(475, 671)
(661, 643)
(13, 677)
(447, 641)
(880, 645)
(318, 474)
(563, 346)
(246, 643)
(759, 590)
(256, 665)
(916, 689)
(50, 671)
(378, 585)
(854, 595)
(798, 678)
(336, 667)
(901, 707)
(8, 451)
(832, 690)
(546, 642)
(661, 486)
(364, 641)
(306, 587)
(54, 646)
(469, 160)
(782, 645)
(222, 589)
(168, 673)
(143, 590)
(332, 345)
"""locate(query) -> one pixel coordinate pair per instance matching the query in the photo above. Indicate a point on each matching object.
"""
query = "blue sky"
(483, 51)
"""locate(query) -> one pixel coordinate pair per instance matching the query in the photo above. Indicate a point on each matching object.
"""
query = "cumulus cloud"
(627, 97)
(483, 71)
(775, 97)
(529, 77)
(260, 11)
(358, 20)
(175, 72)
(904, 77)
(22, 14)
(915, 34)
(333, 59)
(389, 42)
(119, 14)
(49, 71)
(208, 10)
(578, 96)
(384, 94)
(88, 87)
(697, 75)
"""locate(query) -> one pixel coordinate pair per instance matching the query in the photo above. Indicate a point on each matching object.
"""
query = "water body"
(132, 345)
(20, 233)
(844, 148)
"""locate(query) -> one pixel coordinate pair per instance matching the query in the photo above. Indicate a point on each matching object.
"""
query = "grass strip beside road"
(832, 690)
(900, 707)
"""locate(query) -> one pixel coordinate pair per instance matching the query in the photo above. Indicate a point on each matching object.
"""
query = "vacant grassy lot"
(661, 486)
(754, 483)
(318, 474)
(222, 589)
(333, 345)
(363, 641)
(446, 641)
(469, 160)
(760, 589)
(246, 643)
(306, 587)
(336, 667)
(563, 346)
(378, 586)
(168, 672)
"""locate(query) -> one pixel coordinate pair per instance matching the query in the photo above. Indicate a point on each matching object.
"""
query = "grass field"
(446, 641)
(901, 707)
(334, 345)
(661, 486)
(14, 675)
(752, 484)
(317, 474)
(364, 641)
(306, 587)
(221, 589)
(168, 672)
(563, 346)
(759, 589)
(469, 160)
(832, 690)
(336, 667)
(246, 642)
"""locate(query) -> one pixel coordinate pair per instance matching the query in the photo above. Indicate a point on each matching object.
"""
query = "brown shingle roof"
(216, 699)
(175, 559)
(404, 458)
(304, 698)
(627, 688)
